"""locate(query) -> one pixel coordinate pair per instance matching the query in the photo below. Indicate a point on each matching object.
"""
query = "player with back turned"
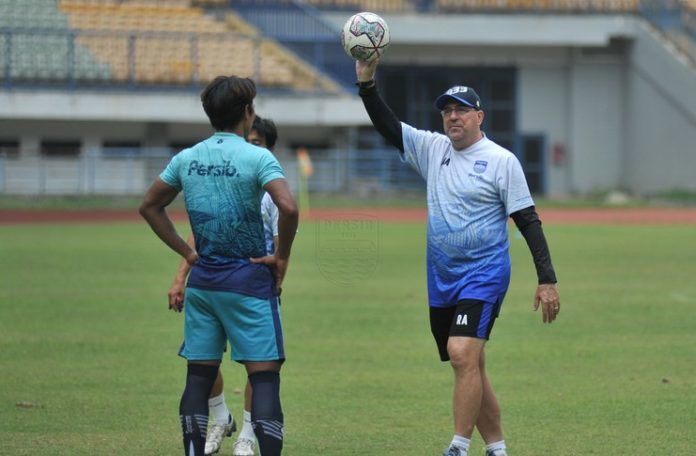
(473, 186)
(263, 133)
(233, 285)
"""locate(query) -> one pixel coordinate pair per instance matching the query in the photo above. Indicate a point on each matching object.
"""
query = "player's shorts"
(469, 318)
(251, 325)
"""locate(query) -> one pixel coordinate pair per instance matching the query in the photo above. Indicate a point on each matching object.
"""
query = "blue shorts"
(251, 325)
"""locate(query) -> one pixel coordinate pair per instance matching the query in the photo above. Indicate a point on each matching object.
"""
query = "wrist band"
(366, 84)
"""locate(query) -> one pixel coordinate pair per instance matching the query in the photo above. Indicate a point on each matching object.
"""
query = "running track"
(636, 216)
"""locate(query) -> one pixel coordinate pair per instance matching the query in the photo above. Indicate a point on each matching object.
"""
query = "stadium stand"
(379, 6)
(539, 5)
(40, 46)
(171, 42)
(138, 15)
(281, 43)
(542, 88)
(303, 30)
(140, 42)
(174, 43)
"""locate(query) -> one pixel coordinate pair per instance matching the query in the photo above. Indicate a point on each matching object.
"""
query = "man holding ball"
(473, 186)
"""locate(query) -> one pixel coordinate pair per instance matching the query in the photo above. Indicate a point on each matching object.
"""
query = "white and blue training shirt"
(471, 193)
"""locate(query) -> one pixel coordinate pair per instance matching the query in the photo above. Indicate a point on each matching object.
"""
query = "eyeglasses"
(458, 110)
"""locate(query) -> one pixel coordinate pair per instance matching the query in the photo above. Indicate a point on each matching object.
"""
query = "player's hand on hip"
(547, 297)
(365, 71)
(279, 266)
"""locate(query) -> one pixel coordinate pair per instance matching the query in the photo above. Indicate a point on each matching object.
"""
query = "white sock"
(496, 446)
(218, 408)
(247, 431)
(461, 442)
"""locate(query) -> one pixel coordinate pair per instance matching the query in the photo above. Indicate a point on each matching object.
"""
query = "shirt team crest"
(480, 166)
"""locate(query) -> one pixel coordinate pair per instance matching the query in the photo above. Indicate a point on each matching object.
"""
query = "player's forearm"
(153, 210)
(383, 118)
(287, 227)
(182, 271)
(527, 221)
(163, 227)
(184, 266)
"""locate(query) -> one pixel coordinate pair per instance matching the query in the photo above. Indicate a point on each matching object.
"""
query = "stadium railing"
(131, 172)
(301, 25)
(303, 29)
(76, 43)
(379, 6)
(139, 44)
(140, 59)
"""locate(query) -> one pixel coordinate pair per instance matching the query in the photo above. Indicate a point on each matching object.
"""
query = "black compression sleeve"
(382, 117)
(527, 221)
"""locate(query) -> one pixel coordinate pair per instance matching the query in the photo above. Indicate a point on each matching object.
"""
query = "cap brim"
(442, 100)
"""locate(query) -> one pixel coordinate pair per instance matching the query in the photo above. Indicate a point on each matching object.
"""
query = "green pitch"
(88, 359)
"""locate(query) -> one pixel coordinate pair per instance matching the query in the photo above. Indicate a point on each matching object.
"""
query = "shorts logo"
(347, 248)
(480, 166)
(462, 320)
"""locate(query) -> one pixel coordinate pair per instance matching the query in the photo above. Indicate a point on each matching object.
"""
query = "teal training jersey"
(222, 179)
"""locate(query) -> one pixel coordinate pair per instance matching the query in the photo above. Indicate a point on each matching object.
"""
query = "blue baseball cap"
(459, 94)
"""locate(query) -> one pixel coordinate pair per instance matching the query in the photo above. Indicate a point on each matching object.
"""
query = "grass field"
(88, 359)
(404, 199)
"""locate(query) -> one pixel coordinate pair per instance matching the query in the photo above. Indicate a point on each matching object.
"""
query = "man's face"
(460, 121)
(254, 138)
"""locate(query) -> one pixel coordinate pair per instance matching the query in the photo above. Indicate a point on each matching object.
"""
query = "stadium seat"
(539, 5)
(42, 50)
(365, 5)
(176, 43)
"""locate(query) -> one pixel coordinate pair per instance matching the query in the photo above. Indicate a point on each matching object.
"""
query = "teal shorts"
(251, 325)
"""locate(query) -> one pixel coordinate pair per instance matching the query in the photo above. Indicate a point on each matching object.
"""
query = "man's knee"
(465, 353)
(463, 362)
(253, 367)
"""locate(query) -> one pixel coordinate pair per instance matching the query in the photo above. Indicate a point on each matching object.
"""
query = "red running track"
(635, 216)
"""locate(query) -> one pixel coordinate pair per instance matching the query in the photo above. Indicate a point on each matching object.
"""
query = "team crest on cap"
(480, 166)
(457, 89)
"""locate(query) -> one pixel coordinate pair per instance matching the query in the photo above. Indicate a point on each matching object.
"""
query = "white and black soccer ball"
(365, 36)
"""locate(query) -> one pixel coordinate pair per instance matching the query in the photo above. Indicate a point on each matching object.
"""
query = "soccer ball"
(365, 36)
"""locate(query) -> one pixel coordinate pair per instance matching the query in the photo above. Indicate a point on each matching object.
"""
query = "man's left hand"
(547, 295)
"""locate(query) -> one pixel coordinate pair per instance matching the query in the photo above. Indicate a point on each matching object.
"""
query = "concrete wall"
(578, 105)
(660, 118)
(596, 139)
(609, 91)
(544, 93)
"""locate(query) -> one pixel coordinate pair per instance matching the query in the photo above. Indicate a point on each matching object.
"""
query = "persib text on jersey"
(226, 169)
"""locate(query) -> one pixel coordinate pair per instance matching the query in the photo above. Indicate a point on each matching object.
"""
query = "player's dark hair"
(225, 99)
(266, 128)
